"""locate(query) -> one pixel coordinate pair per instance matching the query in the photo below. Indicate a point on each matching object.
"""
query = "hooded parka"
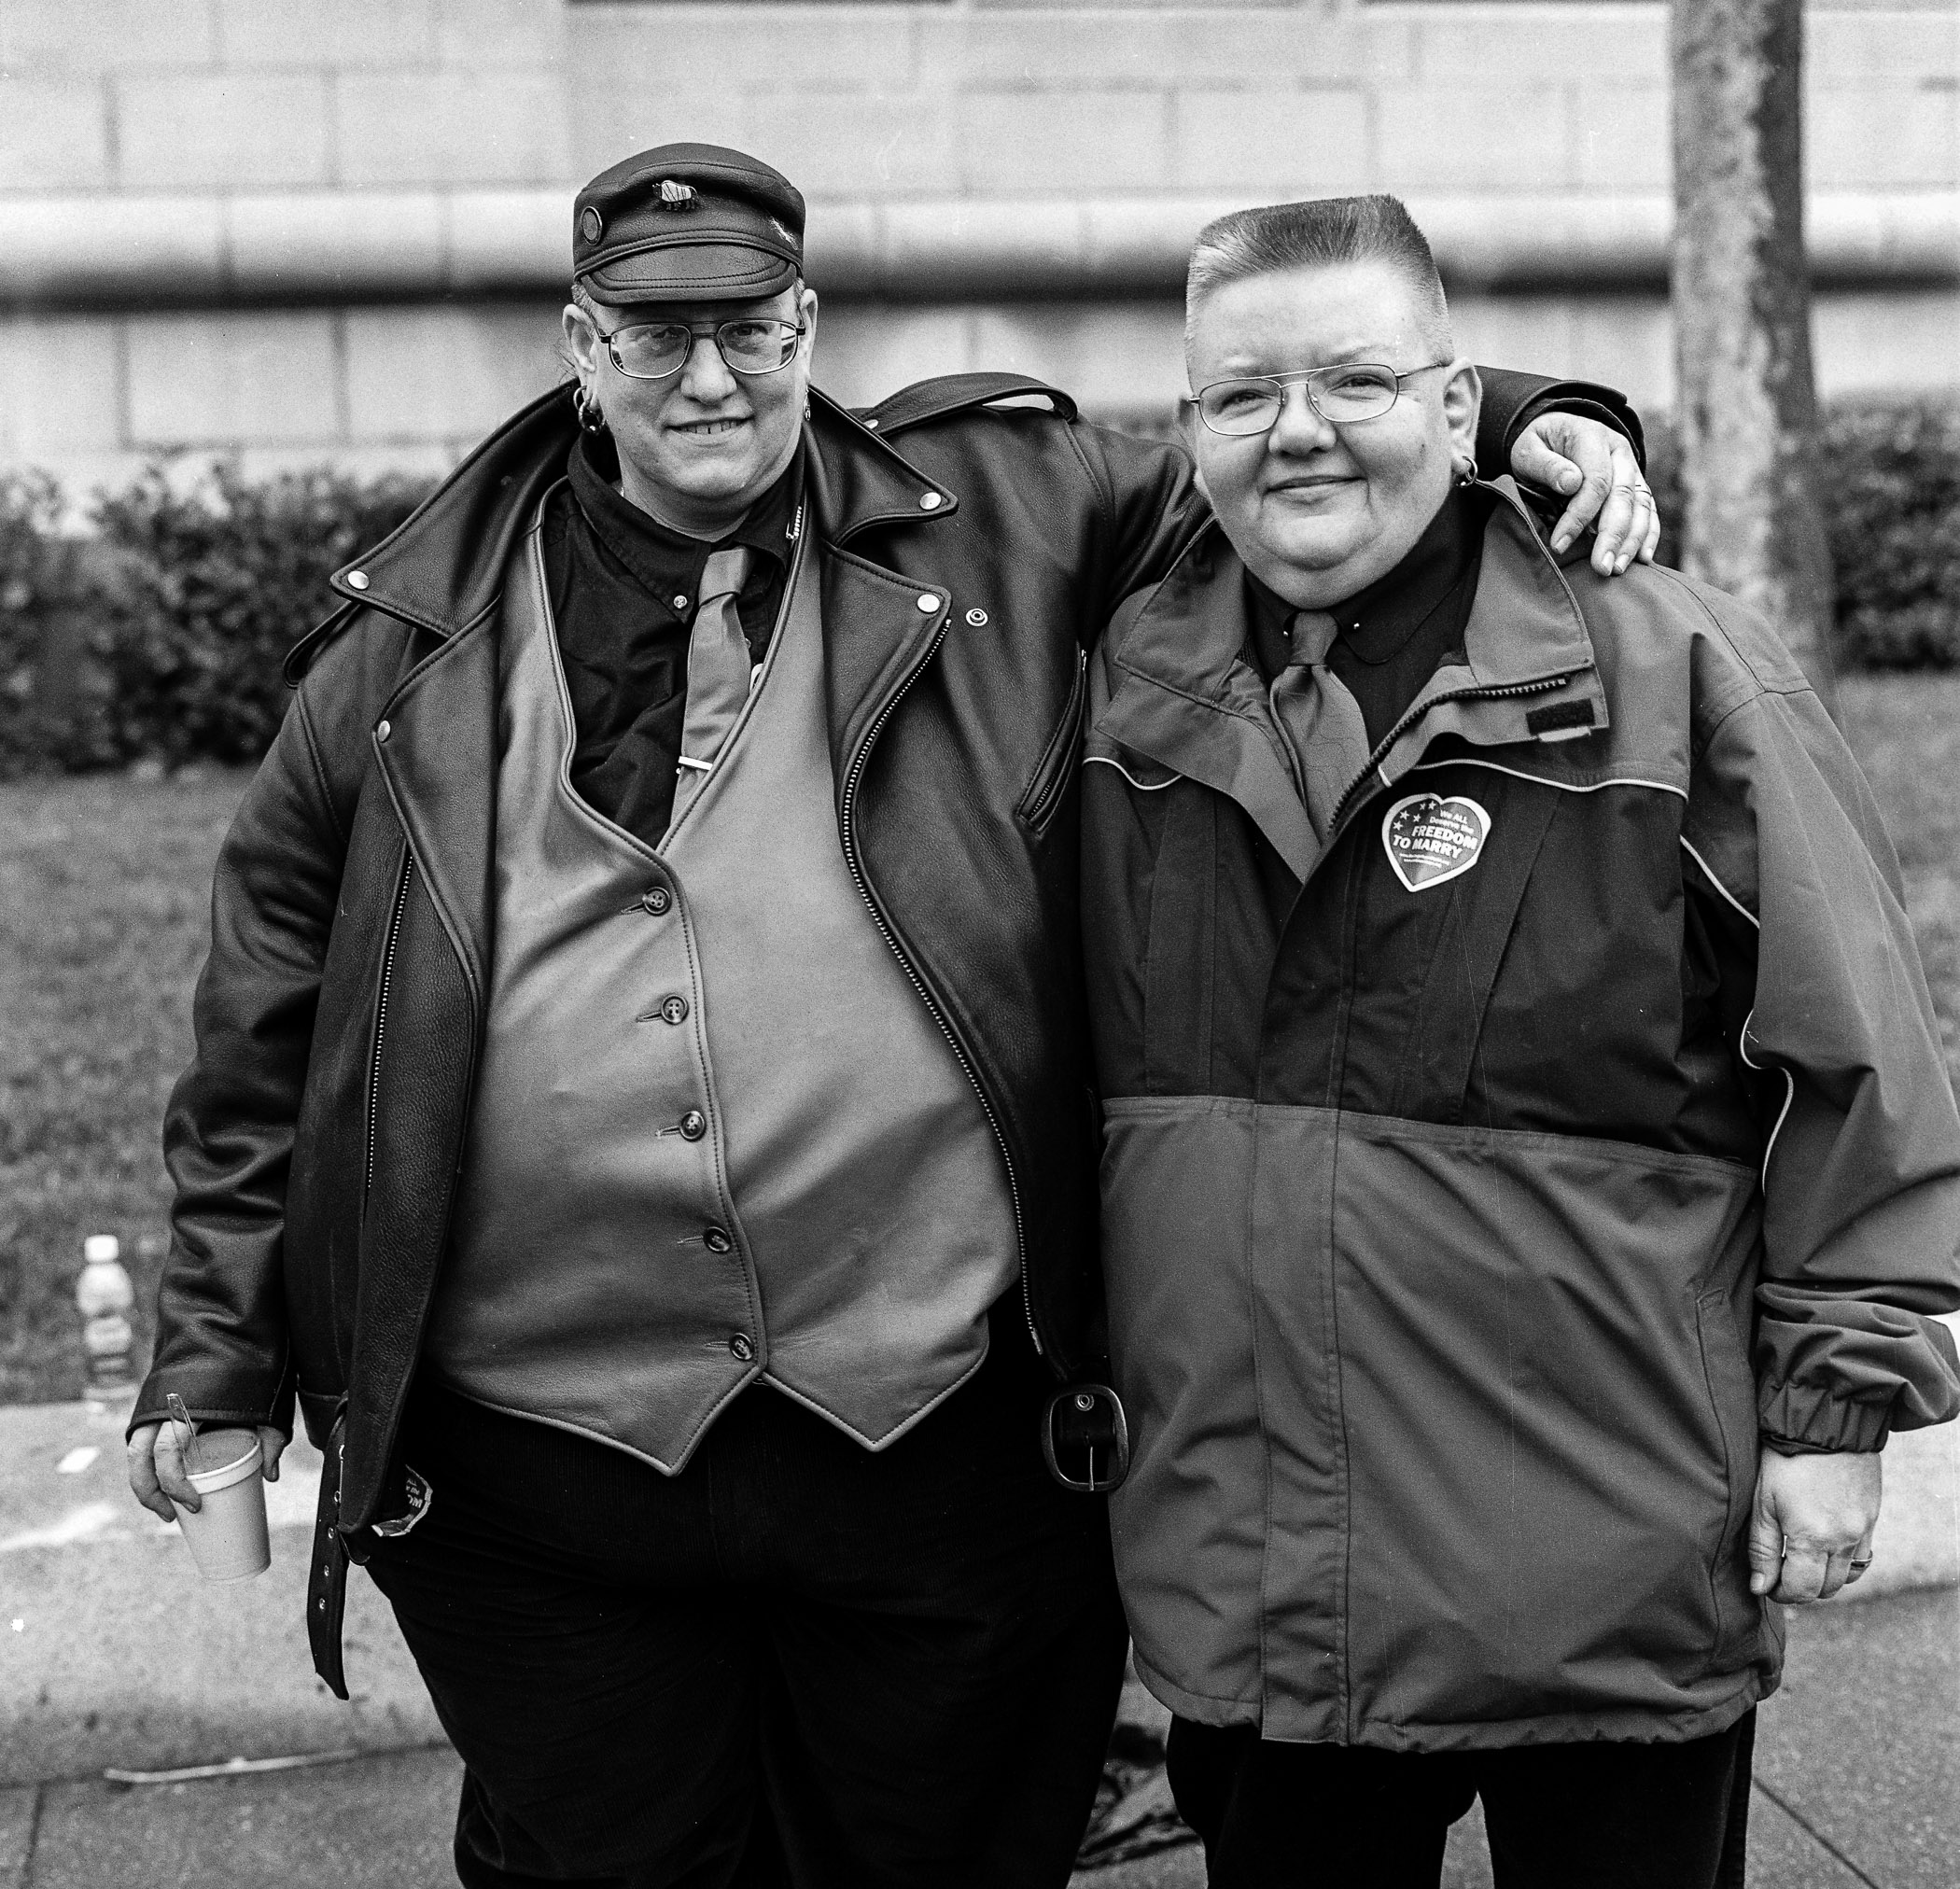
(1582, 1124)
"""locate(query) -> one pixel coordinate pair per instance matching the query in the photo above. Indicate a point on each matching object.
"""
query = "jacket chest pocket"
(385, 990)
(1462, 946)
(1037, 805)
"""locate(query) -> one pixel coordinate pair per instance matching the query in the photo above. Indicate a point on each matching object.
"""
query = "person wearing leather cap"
(641, 1102)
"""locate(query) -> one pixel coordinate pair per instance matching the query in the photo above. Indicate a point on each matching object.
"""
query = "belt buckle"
(1084, 1425)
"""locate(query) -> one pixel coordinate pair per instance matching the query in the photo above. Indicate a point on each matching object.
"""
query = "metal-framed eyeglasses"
(1352, 390)
(657, 350)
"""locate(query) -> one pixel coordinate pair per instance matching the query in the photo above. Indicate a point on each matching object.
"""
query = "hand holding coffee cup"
(227, 1530)
(228, 1467)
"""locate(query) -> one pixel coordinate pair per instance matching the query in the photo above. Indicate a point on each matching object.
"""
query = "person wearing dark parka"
(1531, 1178)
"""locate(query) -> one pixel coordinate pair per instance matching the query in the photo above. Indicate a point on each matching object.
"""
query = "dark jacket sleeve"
(228, 1134)
(1861, 1172)
(1513, 400)
(1151, 508)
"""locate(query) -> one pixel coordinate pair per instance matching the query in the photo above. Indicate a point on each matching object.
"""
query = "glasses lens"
(757, 347)
(649, 353)
(1354, 393)
(1239, 407)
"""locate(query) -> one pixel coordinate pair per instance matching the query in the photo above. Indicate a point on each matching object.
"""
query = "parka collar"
(1186, 698)
(441, 569)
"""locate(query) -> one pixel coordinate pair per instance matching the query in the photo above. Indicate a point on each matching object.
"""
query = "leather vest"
(717, 1135)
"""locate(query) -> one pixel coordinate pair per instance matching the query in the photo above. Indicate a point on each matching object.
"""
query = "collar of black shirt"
(1377, 623)
(668, 562)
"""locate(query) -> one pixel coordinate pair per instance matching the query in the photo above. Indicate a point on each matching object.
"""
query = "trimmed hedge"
(159, 638)
(217, 584)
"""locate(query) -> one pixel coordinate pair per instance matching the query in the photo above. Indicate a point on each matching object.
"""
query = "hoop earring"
(1465, 470)
(590, 418)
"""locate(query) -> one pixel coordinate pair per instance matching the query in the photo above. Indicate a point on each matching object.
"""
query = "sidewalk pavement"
(112, 1654)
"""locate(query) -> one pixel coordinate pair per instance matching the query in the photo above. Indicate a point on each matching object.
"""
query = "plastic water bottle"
(104, 1297)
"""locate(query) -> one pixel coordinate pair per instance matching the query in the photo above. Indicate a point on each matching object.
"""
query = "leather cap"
(687, 223)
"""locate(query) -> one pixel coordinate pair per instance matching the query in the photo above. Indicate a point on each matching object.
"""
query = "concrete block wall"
(1520, 97)
(228, 124)
(304, 230)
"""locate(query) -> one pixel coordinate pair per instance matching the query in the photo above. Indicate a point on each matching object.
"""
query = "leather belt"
(334, 1548)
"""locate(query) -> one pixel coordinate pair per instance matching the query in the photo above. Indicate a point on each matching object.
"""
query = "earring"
(590, 419)
(1465, 466)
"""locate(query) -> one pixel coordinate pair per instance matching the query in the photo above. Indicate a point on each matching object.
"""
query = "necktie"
(718, 673)
(1321, 720)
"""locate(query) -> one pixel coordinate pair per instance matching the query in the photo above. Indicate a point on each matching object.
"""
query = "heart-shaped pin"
(1430, 839)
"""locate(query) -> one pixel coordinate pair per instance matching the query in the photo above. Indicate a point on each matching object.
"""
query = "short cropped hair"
(1320, 232)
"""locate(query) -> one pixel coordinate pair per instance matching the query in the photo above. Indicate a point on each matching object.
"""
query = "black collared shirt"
(623, 588)
(1394, 634)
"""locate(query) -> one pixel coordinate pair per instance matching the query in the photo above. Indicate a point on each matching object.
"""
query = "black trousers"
(796, 1662)
(1604, 1815)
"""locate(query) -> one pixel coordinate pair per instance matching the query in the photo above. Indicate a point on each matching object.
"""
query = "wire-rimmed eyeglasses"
(657, 350)
(1349, 391)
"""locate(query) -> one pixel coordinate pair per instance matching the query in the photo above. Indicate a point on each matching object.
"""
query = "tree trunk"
(1747, 406)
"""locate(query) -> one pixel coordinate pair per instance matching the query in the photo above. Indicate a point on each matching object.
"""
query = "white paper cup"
(226, 1536)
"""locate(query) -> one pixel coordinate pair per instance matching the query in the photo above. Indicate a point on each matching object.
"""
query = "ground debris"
(1134, 1815)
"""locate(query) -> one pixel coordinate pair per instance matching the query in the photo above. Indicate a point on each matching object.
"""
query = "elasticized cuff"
(1796, 1422)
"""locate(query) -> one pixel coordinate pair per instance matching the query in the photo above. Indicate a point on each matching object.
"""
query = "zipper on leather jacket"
(849, 834)
(381, 1014)
(1056, 772)
(1416, 712)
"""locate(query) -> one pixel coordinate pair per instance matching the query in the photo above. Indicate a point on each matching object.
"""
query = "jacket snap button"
(976, 616)
(717, 1240)
(928, 603)
(673, 1009)
(694, 1125)
(356, 579)
(382, 731)
(929, 501)
(656, 900)
(740, 1346)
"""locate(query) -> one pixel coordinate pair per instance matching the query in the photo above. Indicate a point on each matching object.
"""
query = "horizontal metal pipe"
(313, 248)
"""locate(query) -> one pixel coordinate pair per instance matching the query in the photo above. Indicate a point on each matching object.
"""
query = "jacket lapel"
(877, 626)
(440, 763)
(445, 570)
(443, 567)
(1186, 697)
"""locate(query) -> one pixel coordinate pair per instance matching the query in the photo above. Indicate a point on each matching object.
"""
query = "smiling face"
(1319, 512)
(699, 448)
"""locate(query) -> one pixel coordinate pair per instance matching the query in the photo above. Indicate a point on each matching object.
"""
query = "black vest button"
(717, 1240)
(741, 1347)
(673, 1009)
(694, 1125)
(656, 900)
